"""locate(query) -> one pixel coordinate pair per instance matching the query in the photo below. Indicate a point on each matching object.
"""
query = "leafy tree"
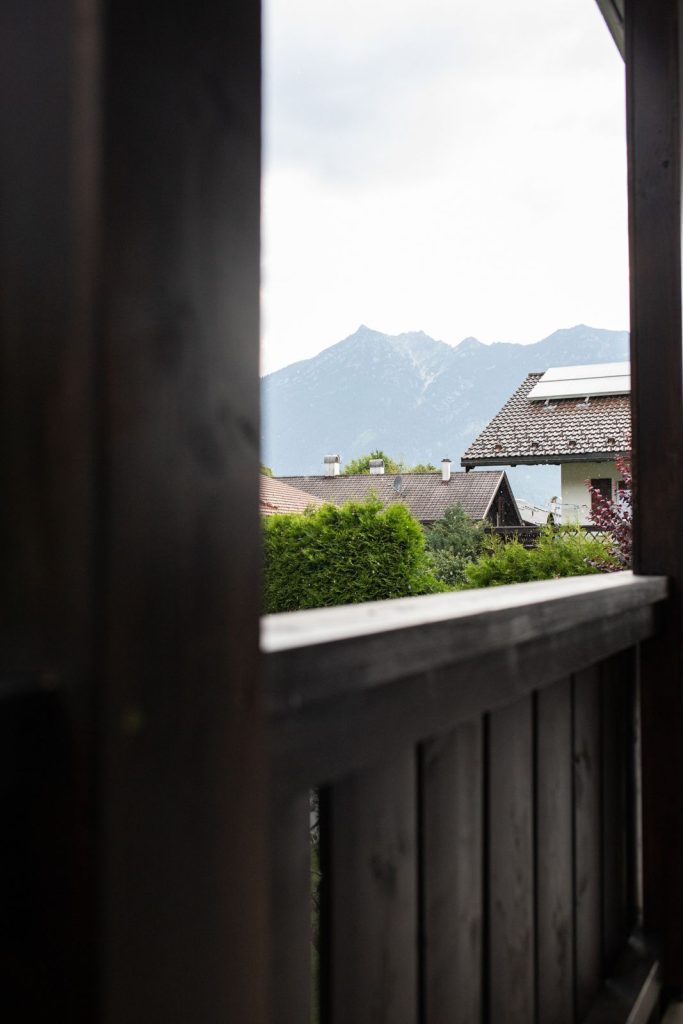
(332, 556)
(616, 518)
(566, 551)
(266, 470)
(453, 542)
(362, 464)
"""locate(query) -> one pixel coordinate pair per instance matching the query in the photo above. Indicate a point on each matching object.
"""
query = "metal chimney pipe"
(445, 470)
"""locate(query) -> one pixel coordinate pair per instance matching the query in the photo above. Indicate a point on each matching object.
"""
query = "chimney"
(376, 467)
(445, 470)
(332, 463)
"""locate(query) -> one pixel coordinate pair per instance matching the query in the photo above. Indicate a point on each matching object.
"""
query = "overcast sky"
(452, 166)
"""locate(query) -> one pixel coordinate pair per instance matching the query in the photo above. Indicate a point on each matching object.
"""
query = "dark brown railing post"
(653, 67)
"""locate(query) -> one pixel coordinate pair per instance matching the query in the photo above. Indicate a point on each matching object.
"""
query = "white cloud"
(452, 167)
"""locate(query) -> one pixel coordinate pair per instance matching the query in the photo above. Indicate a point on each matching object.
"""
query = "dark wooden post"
(653, 66)
(129, 260)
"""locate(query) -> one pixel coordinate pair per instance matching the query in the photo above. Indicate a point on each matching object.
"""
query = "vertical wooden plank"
(653, 89)
(617, 684)
(511, 867)
(129, 256)
(291, 909)
(372, 873)
(48, 458)
(184, 769)
(587, 837)
(554, 855)
(452, 800)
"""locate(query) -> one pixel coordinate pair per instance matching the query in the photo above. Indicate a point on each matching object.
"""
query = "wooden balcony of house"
(477, 761)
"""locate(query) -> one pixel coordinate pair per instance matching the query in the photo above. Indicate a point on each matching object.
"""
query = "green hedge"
(332, 556)
(567, 551)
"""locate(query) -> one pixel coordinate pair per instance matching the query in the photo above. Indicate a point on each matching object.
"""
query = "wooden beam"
(319, 736)
(129, 254)
(653, 68)
(326, 652)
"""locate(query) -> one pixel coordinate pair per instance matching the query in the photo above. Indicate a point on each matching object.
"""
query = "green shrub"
(332, 556)
(564, 552)
(449, 567)
(453, 542)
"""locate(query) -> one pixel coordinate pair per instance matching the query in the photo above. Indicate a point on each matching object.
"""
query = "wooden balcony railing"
(475, 758)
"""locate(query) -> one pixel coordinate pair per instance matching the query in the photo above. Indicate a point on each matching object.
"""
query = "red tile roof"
(425, 494)
(562, 430)
(277, 497)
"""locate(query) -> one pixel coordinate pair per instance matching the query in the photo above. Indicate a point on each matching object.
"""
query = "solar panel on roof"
(583, 381)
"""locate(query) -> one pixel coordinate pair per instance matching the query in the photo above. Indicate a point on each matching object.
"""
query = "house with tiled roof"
(279, 497)
(577, 417)
(485, 495)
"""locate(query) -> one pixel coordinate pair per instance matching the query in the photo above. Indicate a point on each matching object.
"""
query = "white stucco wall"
(576, 502)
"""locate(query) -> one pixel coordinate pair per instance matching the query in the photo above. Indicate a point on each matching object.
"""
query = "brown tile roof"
(277, 497)
(425, 494)
(564, 430)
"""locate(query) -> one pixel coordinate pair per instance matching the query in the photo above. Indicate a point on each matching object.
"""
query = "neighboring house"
(484, 496)
(277, 497)
(535, 515)
(577, 417)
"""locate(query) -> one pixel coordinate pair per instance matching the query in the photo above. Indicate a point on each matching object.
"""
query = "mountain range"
(416, 398)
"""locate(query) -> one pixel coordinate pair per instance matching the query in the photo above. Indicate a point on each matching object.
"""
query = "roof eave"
(543, 460)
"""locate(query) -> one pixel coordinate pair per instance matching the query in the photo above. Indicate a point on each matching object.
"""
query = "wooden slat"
(510, 863)
(326, 738)
(291, 909)
(653, 88)
(371, 869)
(617, 816)
(554, 855)
(451, 871)
(587, 832)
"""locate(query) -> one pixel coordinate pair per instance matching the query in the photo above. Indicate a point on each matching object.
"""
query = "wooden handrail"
(337, 675)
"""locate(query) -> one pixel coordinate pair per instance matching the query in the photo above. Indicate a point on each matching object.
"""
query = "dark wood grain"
(371, 869)
(291, 909)
(322, 739)
(511, 940)
(554, 855)
(587, 833)
(129, 256)
(451, 858)
(332, 652)
(618, 904)
(653, 89)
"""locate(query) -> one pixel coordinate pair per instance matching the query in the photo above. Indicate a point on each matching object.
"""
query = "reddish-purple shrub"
(615, 516)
